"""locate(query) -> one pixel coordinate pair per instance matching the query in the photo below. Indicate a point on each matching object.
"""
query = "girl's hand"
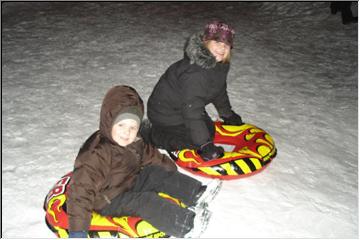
(209, 151)
(233, 119)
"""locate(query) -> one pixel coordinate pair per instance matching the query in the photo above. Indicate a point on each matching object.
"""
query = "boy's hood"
(116, 100)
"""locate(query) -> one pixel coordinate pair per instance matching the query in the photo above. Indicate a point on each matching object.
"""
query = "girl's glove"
(233, 119)
(209, 151)
(78, 234)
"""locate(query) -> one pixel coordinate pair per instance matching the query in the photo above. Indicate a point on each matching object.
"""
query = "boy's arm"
(81, 193)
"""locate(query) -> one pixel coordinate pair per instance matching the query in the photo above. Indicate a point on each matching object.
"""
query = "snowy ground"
(294, 74)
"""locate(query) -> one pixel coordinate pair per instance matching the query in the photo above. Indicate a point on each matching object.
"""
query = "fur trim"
(198, 53)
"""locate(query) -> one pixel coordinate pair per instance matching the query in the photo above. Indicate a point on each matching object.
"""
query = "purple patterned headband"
(219, 31)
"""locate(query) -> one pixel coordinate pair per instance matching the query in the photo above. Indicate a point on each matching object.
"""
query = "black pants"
(143, 200)
(345, 8)
(177, 137)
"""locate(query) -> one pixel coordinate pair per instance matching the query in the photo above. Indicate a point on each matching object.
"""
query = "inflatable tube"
(100, 226)
(248, 150)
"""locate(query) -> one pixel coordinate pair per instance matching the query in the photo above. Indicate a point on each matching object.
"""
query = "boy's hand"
(209, 151)
(78, 234)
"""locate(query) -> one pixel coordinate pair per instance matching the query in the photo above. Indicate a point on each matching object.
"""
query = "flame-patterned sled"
(248, 150)
(101, 226)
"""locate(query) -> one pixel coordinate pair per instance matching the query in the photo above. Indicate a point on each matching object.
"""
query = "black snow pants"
(143, 200)
(172, 138)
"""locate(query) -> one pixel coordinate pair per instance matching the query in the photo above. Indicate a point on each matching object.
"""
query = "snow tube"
(100, 226)
(248, 150)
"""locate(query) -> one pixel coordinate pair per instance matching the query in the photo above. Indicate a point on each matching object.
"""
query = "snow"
(294, 74)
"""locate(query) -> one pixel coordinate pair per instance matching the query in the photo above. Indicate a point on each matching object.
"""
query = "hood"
(198, 53)
(116, 100)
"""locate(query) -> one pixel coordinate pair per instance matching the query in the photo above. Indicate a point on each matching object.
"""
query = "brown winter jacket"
(103, 169)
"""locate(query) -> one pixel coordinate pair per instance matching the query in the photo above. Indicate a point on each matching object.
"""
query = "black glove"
(233, 119)
(209, 151)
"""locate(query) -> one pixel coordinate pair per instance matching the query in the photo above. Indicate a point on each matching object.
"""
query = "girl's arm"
(222, 103)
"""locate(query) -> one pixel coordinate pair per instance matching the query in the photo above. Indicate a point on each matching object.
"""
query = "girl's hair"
(227, 57)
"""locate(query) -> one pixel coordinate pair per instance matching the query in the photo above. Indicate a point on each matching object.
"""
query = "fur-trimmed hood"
(197, 53)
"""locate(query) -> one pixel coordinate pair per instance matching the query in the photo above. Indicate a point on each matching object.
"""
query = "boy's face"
(125, 131)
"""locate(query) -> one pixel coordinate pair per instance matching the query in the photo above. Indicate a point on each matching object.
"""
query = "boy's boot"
(208, 192)
(201, 221)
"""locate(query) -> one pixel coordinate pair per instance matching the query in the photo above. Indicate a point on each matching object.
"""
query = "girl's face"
(220, 50)
(125, 131)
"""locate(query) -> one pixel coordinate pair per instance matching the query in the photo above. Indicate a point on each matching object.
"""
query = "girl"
(117, 174)
(176, 107)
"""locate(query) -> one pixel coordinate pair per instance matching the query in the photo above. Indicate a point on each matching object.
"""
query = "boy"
(116, 174)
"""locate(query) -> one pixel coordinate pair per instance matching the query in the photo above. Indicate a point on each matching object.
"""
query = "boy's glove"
(209, 151)
(233, 119)
(78, 234)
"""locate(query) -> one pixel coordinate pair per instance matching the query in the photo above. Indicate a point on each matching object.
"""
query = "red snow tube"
(248, 150)
(101, 226)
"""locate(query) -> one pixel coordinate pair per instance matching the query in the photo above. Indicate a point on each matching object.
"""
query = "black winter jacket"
(187, 87)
